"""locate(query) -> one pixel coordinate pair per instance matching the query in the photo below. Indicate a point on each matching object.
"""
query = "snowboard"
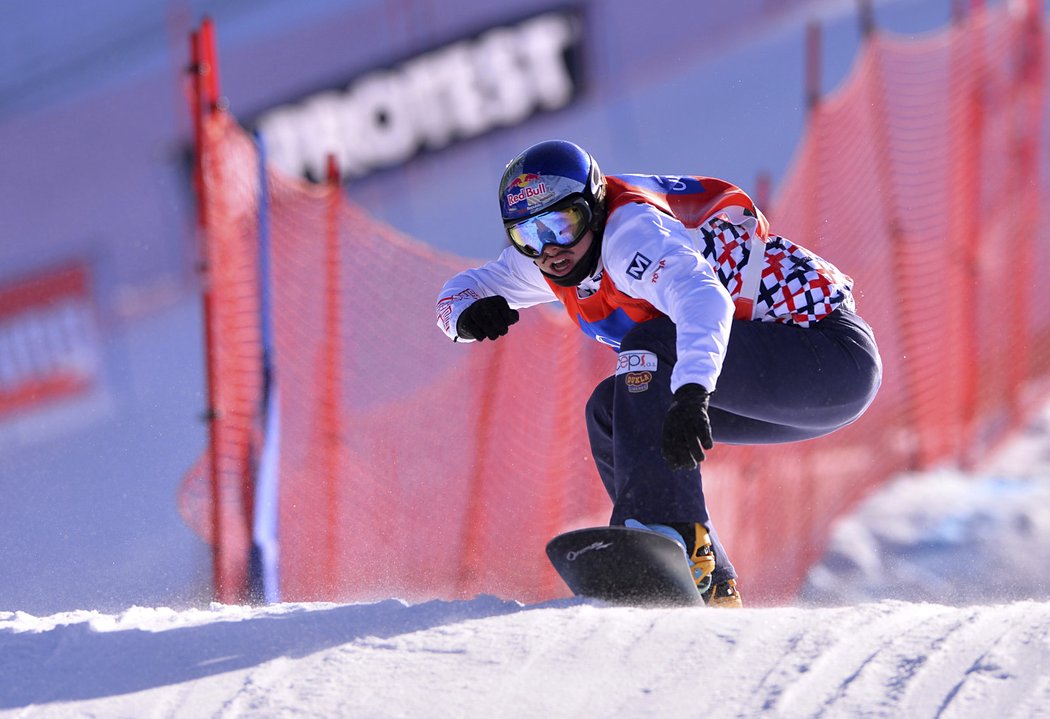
(634, 567)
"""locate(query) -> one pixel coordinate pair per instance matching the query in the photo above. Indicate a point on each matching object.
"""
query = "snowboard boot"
(696, 541)
(724, 594)
(698, 549)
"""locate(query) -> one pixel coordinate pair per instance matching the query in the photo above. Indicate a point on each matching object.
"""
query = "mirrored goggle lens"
(561, 227)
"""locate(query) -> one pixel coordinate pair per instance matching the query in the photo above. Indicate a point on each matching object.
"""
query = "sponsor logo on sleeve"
(656, 273)
(638, 381)
(446, 304)
(635, 361)
(639, 264)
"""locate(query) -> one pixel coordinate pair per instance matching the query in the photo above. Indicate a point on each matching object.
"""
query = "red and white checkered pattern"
(798, 287)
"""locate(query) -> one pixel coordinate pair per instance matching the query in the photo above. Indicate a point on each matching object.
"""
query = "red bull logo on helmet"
(523, 179)
(527, 187)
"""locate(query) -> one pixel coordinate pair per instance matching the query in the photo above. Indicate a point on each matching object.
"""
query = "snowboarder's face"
(559, 261)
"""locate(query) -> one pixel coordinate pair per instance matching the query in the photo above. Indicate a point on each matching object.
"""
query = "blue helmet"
(547, 176)
(553, 193)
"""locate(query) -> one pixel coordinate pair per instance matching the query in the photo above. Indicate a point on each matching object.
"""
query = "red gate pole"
(203, 101)
(333, 348)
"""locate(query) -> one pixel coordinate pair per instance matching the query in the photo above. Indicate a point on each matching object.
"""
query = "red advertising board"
(48, 339)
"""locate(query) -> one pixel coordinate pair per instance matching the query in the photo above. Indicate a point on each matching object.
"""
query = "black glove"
(687, 428)
(488, 317)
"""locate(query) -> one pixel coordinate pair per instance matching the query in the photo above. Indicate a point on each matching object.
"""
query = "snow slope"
(563, 659)
(973, 546)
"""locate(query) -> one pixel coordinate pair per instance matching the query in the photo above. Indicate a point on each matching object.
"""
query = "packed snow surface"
(568, 658)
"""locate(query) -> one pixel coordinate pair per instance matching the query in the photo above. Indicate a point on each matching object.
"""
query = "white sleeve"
(652, 256)
(511, 275)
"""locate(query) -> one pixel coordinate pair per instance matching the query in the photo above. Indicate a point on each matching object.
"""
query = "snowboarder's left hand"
(687, 428)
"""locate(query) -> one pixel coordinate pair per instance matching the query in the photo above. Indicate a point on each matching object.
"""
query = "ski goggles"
(564, 228)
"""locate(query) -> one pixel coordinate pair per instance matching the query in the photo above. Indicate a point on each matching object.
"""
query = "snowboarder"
(724, 331)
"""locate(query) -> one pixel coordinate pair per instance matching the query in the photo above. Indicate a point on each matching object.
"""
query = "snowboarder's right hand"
(488, 317)
(687, 428)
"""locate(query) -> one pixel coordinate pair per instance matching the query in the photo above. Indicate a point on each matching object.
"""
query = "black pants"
(779, 383)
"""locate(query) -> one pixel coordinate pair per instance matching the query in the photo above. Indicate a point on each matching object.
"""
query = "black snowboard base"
(624, 566)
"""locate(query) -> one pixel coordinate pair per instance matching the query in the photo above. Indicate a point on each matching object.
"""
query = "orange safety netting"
(417, 468)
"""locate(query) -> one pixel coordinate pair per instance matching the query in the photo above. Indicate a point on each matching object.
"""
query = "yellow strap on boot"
(725, 596)
(702, 558)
